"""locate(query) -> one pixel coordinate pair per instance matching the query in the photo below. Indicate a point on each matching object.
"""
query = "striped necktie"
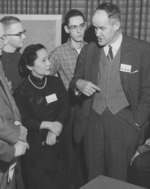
(110, 53)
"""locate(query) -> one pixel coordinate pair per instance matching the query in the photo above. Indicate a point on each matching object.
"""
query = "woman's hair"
(28, 57)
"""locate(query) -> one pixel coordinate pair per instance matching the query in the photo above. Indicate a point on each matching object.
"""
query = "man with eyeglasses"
(12, 134)
(63, 61)
(15, 36)
(63, 58)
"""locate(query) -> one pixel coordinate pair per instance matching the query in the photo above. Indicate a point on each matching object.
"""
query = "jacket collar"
(5, 94)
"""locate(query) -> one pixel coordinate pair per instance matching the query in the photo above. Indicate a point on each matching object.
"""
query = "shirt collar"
(115, 45)
(70, 45)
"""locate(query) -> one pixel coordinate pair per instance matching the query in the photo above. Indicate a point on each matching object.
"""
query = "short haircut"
(73, 13)
(28, 57)
(112, 10)
(8, 20)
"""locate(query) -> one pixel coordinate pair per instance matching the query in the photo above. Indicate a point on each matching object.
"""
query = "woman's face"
(41, 65)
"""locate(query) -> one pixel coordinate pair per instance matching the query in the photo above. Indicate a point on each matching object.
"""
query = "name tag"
(125, 68)
(51, 98)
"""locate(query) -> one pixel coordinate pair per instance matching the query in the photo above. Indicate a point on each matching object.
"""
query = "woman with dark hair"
(44, 108)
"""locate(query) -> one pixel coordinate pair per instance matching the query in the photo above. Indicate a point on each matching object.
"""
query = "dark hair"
(8, 20)
(28, 57)
(72, 13)
(112, 10)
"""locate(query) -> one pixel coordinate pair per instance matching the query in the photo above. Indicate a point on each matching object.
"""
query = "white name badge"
(125, 68)
(51, 98)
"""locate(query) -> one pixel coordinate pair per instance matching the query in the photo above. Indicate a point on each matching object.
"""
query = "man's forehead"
(14, 27)
(100, 14)
(76, 20)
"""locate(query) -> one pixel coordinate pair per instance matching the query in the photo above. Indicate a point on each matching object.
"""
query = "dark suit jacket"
(136, 84)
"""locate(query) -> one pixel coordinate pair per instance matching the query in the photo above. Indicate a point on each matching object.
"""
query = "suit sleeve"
(8, 131)
(143, 109)
(79, 70)
(7, 152)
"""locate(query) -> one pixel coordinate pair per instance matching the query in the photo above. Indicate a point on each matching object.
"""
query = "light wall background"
(41, 28)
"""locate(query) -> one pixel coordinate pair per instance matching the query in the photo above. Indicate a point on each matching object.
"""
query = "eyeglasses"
(2, 39)
(19, 34)
(75, 28)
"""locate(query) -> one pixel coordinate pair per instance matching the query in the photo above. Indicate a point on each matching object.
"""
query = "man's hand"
(20, 148)
(147, 142)
(135, 155)
(87, 87)
(23, 131)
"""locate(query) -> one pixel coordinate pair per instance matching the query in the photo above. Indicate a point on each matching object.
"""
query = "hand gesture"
(87, 87)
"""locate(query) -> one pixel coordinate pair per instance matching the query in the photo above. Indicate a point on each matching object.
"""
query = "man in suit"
(14, 37)
(12, 133)
(112, 80)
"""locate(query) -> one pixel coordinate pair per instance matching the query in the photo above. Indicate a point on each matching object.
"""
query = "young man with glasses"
(15, 36)
(63, 58)
(63, 61)
(12, 134)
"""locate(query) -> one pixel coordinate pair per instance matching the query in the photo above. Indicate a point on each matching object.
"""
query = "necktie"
(110, 53)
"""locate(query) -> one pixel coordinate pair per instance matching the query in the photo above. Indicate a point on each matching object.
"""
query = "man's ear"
(30, 68)
(117, 25)
(66, 29)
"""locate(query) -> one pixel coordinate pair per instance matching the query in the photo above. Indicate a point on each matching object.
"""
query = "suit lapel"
(5, 93)
(126, 58)
(95, 65)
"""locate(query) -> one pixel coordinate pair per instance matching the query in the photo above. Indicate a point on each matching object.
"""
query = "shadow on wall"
(89, 35)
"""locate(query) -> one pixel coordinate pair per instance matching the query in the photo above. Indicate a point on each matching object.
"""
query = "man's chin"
(79, 40)
(101, 44)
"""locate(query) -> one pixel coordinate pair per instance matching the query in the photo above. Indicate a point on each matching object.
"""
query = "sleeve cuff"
(77, 92)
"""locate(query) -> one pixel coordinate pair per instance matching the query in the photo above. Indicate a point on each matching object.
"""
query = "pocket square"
(134, 72)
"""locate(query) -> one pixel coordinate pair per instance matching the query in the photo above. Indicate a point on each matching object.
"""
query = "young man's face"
(15, 35)
(76, 28)
(2, 38)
